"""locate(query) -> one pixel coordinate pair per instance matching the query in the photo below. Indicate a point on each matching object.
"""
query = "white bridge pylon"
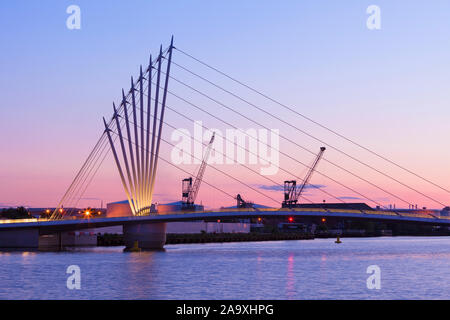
(137, 165)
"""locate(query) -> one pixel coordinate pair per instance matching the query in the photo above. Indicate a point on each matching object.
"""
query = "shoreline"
(191, 238)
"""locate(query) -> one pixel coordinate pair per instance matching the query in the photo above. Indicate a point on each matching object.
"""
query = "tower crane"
(189, 190)
(291, 192)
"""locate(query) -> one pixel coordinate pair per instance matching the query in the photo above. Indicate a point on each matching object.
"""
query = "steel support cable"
(136, 169)
(80, 184)
(255, 154)
(283, 153)
(190, 174)
(79, 177)
(136, 138)
(204, 181)
(163, 106)
(329, 194)
(173, 110)
(91, 177)
(293, 142)
(101, 162)
(287, 139)
(72, 192)
(102, 138)
(98, 167)
(221, 171)
(74, 181)
(141, 103)
(122, 125)
(311, 136)
(125, 100)
(165, 122)
(315, 122)
(81, 188)
(241, 164)
(273, 181)
(106, 145)
(128, 95)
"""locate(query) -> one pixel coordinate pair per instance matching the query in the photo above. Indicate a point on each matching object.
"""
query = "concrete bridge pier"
(147, 236)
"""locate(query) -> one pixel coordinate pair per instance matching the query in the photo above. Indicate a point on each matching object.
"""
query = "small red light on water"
(218, 220)
(290, 219)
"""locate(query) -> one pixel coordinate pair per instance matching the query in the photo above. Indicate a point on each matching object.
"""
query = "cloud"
(281, 188)
(270, 188)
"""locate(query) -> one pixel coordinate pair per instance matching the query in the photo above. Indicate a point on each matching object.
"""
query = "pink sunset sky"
(386, 89)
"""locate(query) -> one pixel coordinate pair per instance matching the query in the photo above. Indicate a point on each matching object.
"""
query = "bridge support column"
(27, 238)
(149, 236)
(51, 242)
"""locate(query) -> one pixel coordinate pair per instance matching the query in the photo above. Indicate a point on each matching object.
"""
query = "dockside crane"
(241, 203)
(291, 192)
(189, 190)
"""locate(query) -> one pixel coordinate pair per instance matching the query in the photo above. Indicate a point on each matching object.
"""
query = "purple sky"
(387, 89)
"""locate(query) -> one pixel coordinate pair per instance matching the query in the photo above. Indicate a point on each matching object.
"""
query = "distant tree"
(15, 213)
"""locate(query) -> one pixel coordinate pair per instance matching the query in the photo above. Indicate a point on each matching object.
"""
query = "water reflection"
(290, 278)
(141, 268)
(412, 268)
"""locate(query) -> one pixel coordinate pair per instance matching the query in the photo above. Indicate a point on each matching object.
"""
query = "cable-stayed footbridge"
(134, 137)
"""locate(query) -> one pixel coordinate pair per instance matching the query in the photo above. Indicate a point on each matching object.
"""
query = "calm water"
(411, 268)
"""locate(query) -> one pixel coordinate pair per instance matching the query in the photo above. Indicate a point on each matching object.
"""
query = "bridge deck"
(49, 226)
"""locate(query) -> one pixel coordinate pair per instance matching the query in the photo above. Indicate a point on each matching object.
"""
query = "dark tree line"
(15, 213)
